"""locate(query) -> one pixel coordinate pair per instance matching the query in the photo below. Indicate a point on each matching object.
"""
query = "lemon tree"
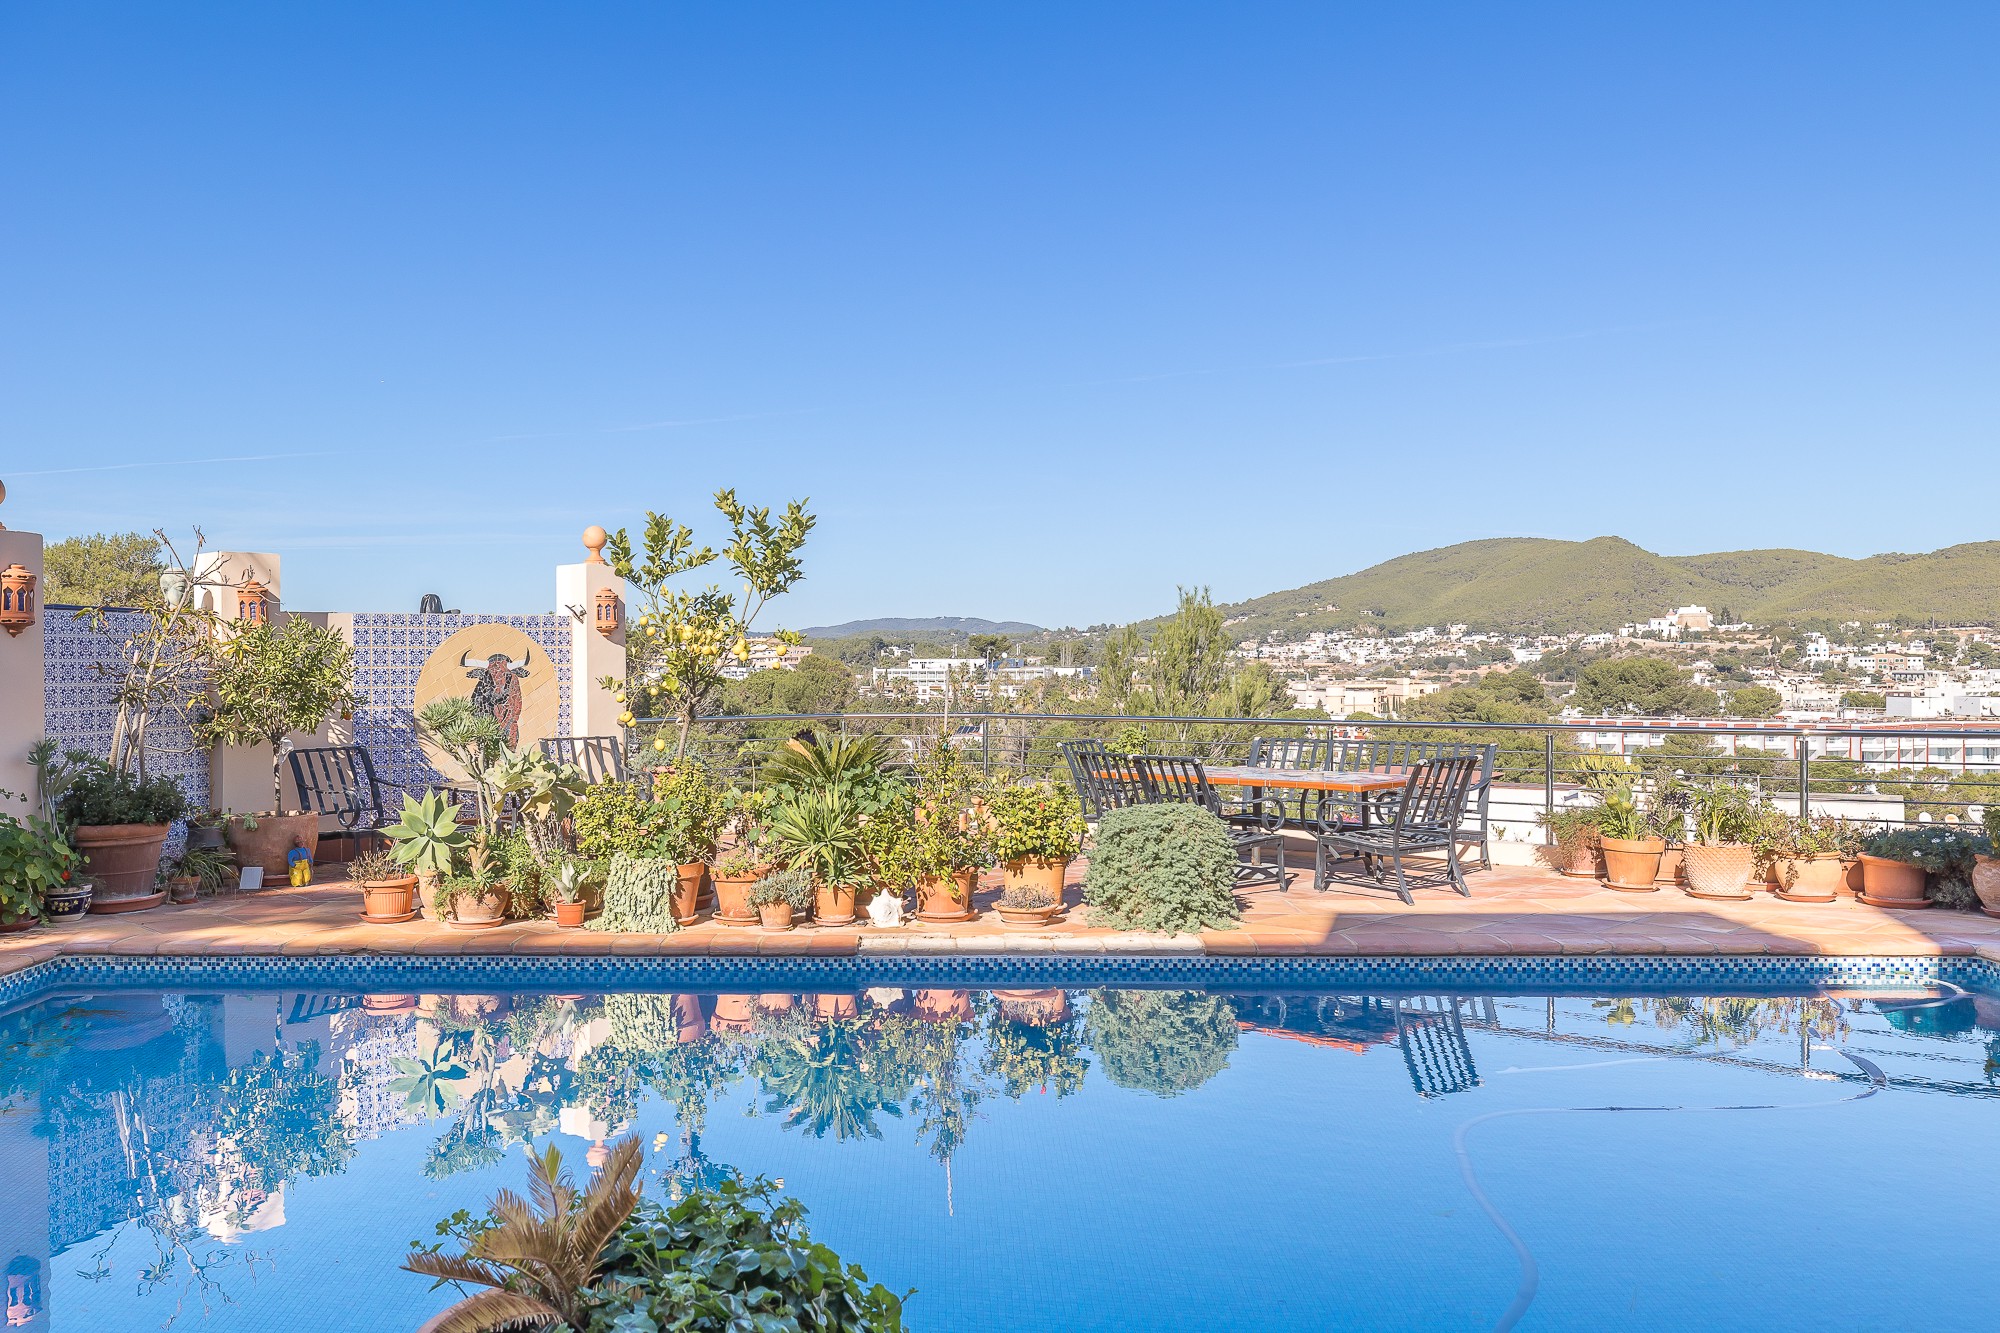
(683, 637)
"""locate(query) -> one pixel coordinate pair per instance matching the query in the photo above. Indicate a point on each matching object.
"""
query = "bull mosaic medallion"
(503, 673)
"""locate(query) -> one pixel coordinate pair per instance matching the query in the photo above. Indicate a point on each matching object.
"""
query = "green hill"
(1536, 585)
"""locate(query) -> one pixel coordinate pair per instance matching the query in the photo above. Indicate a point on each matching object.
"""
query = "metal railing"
(1882, 773)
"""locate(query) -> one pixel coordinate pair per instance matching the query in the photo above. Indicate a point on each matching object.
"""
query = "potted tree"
(120, 824)
(1717, 862)
(270, 680)
(940, 851)
(428, 841)
(782, 896)
(1034, 829)
(388, 889)
(689, 815)
(1630, 849)
(743, 818)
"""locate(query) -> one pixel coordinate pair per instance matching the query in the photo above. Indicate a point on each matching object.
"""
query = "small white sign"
(252, 878)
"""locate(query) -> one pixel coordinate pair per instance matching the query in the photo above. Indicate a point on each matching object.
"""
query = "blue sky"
(1048, 307)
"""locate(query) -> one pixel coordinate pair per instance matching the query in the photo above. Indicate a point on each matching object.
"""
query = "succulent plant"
(428, 837)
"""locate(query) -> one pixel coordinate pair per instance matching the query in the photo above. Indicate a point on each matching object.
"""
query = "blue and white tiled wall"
(389, 655)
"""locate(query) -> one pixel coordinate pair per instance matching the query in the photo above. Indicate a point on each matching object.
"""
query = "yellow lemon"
(660, 743)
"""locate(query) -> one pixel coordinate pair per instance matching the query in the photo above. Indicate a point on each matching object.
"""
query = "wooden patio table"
(1362, 782)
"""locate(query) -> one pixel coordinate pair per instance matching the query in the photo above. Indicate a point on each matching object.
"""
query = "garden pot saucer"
(967, 915)
(1990, 912)
(108, 906)
(410, 915)
(1791, 897)
(721, 919)
(1908, 904)
(835, 920)
(1742, 897)
(456, 924)
(1654, 887)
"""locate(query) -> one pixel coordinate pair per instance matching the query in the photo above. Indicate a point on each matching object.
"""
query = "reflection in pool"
(1100, 1159)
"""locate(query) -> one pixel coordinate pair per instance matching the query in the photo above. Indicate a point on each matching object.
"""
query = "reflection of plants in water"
(1618, 1013)
(283, 1115)
(608, 1084)
(430, 1083)
(1732, 1020)
(468, 1145)
(831, 1076)
(943, 1095)
(1163, 1042)
(34, 1043)
(1025, 1057)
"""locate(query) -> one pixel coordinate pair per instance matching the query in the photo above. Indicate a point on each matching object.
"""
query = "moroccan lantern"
(17, 599)
(608, 612)
(252, 601)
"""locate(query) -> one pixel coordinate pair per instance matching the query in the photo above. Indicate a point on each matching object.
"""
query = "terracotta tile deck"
(1512, 911)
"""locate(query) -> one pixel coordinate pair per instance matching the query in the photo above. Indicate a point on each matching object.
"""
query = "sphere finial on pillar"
(594, 539)
(3, 500)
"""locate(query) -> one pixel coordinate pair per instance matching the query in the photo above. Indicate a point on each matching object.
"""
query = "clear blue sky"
(1046, 306)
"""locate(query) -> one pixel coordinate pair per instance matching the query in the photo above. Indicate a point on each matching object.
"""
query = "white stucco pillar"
(21, 679)
(593, 654)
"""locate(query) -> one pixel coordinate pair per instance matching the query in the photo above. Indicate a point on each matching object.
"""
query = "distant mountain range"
(1527, 585)
(943, 627)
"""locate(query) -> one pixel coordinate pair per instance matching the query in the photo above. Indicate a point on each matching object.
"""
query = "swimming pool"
(1109, 1145)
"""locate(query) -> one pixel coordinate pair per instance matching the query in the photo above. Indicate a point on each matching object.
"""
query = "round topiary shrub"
(1163, 1042)
(1166, 867)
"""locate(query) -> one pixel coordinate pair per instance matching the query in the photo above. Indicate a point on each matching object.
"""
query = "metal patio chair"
(601, 758)
(1422, 820)
(1104, 779)
(1174, 778)
(339, 782)
(1294, 752)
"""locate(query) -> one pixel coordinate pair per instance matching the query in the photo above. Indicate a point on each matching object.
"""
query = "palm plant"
(826, 1079)
(821, 832)
(538, 1261)
(851, 765)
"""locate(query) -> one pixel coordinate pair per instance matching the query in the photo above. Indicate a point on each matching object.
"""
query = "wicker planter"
(124, 859)
(1813, 879)
(1886, 883)
(1632, 865)
(1720, 871)
(947, 899)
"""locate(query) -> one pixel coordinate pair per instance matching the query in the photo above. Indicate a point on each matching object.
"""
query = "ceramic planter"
(1632, 864)
(387, 901)
(686, 900)
(268, 843)
(1032, 872)
(732, 897)
(1670, 867)
(1886, 883)
(775, 916)
(569, 916)
(1026, 918)
(1814, 879)
(1985, 882)
(1720, 871)
(68, 903)
(946, 899)
(833, 905)
(124, 859)
(204, 837)
(481, 912)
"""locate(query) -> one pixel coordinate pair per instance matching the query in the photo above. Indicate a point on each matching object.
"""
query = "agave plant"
(537, 1261)
(428, 837)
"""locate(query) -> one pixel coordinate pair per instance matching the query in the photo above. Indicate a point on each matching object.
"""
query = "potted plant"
(1034, 829)
(1986, 868)
(937, 848)
(1852, 840)
(1630, 849)
(197, 871)
(818, 832)
(476, 900)
(1026, 905)
(1718, 861)
(270, 680)
(1808, 861)
(1573, 835)
(427, 841)
(120, 824)
(781, 896)
(388, 887)
(735, 874)
(204, 830)
(36, 868)
(690, 817)
(569, 903)
(1918, 866)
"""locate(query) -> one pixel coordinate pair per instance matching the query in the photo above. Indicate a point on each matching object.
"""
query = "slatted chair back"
(1105, 780)
(601, 758)
(1288, 752)
(339, 781)
(1434, 796)
(1175, 778)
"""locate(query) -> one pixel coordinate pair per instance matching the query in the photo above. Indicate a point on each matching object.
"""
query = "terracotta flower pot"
(124, 859)
(735, 1013)
(833, 905)
(1026, 918)
(1814, 879)
(388, 1004)
(1670, 866)
(836, 1006)
(1850, 874)
(775, 916)
(690, 1023)
(685, 902)
(1632, 864)
(732, 897)
(1721, 871)
(1038, 1008)
(1886, 883)
(1035, 873)
(268, 843)
(773, 1003)
(483, 912)
(943, 1006)
(569, 916)
(183, 889)
(385, 901)
(1986, 883)
(946, 899)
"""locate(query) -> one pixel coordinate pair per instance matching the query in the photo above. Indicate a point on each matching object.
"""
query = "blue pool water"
(1229, 1155)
